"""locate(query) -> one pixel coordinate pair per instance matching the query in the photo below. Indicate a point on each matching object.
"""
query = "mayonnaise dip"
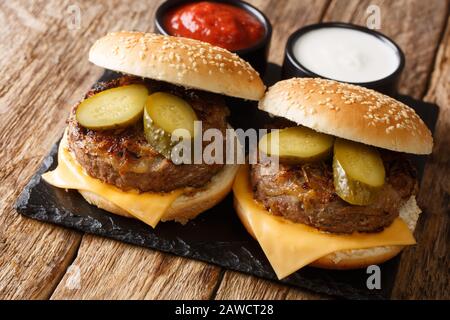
(345, 54)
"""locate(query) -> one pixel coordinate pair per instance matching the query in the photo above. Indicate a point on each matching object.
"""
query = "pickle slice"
(165, 113)
(358, 172)
(297, 145)
(113, 108)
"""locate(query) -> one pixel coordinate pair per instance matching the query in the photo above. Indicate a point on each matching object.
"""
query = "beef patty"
(123, 157)
(306, 194)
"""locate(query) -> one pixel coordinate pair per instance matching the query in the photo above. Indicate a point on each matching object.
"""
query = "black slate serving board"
(217, 235)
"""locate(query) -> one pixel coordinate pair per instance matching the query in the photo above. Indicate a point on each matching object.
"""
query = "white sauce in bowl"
(345, 55)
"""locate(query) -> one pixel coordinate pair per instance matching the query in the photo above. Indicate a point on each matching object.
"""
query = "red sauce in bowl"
(220, 24)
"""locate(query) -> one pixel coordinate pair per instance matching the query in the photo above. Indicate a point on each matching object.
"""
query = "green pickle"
(163, 114)
(358, 172)
(297, 145)
(113, 108)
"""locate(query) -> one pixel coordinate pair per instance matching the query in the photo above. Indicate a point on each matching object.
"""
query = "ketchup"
(220, 24)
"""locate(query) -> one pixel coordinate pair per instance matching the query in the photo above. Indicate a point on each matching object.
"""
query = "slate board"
(216, 236)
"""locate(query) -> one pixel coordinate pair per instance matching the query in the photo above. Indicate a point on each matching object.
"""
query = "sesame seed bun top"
(181, 61)
(350, 112)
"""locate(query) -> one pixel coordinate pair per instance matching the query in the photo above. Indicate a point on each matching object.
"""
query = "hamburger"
(116, 149)
(335, 189)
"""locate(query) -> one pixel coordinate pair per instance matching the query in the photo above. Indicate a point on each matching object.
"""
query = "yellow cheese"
(147, 207)
(290, 246)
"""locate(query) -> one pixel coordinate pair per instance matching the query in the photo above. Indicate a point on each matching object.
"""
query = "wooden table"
(44, 70)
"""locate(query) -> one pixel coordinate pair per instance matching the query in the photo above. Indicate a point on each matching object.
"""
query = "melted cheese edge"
(290, 246)
(147, 207)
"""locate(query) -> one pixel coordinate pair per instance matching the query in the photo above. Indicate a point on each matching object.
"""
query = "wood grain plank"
(424, 271)
(171, 276)
(45, 70)
(240, 286)
(113, 270)
(49, 74)
(404, 21)
(33, 256)
(415, 25)
(286, 17)
(188, 269)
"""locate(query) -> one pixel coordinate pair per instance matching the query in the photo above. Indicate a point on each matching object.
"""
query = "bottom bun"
(356, 259)
(185, 207)
(361, 258)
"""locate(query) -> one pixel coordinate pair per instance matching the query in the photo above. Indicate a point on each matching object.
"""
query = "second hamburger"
(342, 193)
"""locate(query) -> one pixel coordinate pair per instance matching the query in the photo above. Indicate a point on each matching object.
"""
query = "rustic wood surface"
(45, 70)
(114, 270)
(433, 232)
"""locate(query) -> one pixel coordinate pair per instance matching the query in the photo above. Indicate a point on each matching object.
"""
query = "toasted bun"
(181, 61)
(359, 258)
(350, 112)
(185, 207)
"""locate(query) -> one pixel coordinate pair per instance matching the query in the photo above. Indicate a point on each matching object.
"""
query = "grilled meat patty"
(123, 157)
(306, 194)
